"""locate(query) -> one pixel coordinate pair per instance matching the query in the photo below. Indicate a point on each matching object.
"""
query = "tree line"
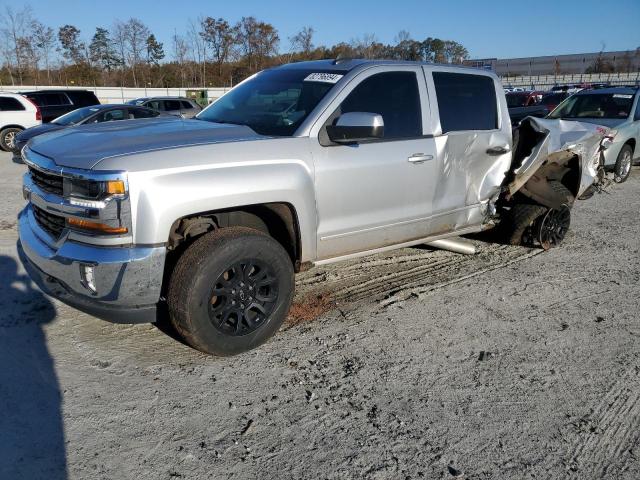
(211, 52)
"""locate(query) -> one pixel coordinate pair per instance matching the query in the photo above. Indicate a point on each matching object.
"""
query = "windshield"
(137, 101)
(75, 117)
(274, 102)
(517, 100)
(595, 105)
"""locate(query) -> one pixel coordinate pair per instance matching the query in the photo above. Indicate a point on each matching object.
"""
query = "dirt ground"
(508, 364)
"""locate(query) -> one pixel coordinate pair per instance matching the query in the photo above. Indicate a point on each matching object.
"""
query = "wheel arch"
(12, 125)
(632, 143)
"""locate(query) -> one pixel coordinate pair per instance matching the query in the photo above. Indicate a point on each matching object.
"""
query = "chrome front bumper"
(127, 279)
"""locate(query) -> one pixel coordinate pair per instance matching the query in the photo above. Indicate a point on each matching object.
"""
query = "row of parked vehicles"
(203, 222)
(56, 109)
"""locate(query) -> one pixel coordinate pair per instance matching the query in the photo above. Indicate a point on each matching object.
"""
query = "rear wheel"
(8, 138)
(622, 168)
(230, 291)
(552, 227)
(534, 224)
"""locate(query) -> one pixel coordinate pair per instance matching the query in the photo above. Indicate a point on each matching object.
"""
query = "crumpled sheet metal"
(563, 139)
(470, 181)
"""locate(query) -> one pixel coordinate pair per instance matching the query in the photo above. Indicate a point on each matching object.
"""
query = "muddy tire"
(230, 291)
(622, 168)
(8, 138)
(533, 224)
(521, 223)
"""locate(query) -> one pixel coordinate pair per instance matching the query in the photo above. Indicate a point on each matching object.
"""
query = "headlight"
(93, 189)
(608, 139)
(105, 202)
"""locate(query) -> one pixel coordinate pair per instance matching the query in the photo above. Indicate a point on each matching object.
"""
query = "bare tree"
(402, 36)
(367, 46)
(14, 25)
(119, 36)
(43, 40)
(198, 48)
(302, 41)
(136, 34)
(180, 52)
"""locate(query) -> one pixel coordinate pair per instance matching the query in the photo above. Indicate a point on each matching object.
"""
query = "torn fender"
(547, 150)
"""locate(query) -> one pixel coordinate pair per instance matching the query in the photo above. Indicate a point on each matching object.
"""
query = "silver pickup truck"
(305, 164)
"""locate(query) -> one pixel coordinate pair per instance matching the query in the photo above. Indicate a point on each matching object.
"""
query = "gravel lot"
(505, 365)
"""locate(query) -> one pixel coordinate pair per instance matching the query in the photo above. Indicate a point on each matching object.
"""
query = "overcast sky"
(487, 28)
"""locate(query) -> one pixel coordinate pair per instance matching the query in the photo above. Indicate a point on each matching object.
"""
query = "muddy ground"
(505, 365)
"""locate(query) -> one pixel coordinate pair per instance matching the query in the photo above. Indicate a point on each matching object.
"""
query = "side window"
(9, 104)
(155, 104)
(637, 115)
(466, 101)
(51, 99)
(112, 115)
(395, 96)
(186, 105)
(171, 105)
(141, 113)
(82, 99)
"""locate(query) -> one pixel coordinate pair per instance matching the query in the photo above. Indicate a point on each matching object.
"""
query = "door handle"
(419, 158)
(497, 150)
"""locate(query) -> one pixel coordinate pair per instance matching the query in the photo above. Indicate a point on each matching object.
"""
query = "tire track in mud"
(390, 278)
(614, 427)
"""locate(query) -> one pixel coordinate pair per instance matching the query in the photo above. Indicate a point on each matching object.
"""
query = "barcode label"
(323, 77)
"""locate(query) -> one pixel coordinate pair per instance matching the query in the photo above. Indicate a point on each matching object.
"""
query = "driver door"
(375, 193)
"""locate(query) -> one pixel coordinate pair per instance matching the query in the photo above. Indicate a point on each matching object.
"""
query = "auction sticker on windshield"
(323, 77)
(622, 95)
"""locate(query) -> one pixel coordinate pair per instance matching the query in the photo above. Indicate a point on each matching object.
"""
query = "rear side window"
(395, 96)
(112, 115)
(49, 99)
(171, 105)
(142, 113)
(9, 104)
(155, 104)
(466, 102)
(83, 98)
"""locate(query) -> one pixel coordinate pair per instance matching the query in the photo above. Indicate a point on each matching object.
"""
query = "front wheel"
(622, 168)
(230, 291)
(8, 138)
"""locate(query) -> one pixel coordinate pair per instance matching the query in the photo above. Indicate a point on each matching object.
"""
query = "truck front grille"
(53, 224)
(49, 182)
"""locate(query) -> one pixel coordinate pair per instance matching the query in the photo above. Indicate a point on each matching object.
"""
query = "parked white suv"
(17, 113)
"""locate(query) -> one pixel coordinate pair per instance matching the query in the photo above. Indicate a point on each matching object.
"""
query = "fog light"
(88, 280)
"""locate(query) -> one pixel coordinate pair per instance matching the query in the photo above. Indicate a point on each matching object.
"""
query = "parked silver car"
(178, 106)
(617, 108)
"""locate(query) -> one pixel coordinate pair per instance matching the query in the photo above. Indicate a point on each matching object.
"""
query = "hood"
(29, 133)
(85, 146)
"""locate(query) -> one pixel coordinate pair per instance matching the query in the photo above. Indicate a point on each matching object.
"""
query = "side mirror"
(354, 127)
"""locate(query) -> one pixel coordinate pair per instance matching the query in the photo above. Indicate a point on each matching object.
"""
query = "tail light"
(38, 112)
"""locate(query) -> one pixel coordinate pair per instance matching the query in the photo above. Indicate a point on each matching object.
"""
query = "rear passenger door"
(473, 142)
